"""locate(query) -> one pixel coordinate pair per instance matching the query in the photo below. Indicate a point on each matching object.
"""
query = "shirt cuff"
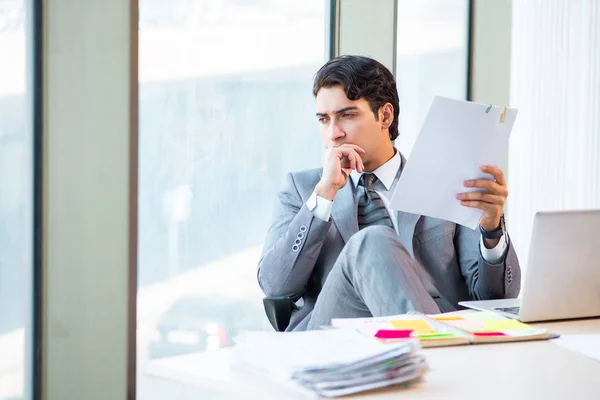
(320, 207)
(494, 255)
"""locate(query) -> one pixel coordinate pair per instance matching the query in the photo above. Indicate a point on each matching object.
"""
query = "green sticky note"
(433, 336)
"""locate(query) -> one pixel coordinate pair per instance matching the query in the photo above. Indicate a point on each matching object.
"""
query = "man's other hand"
(491, 200)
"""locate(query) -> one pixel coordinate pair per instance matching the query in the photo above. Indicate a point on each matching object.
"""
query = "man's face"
(345, 121)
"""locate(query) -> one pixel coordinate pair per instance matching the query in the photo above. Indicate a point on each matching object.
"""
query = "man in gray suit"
(336, 249)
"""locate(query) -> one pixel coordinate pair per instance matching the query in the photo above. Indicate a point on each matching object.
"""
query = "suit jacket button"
(295, 248)
(298, 241)
(303, 228)
(300, 235)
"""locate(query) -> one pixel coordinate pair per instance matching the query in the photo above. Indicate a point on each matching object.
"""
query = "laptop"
(563, 270)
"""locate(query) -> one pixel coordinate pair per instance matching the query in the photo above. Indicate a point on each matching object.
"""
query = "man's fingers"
(482, 205)
(491, 186)
(352, 146)
(482, 197)
(350, 158)
(496, 172)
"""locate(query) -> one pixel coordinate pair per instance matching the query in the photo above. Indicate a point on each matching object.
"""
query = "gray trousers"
(374, 275)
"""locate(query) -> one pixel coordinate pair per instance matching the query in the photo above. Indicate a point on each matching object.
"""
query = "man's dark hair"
(361, 77)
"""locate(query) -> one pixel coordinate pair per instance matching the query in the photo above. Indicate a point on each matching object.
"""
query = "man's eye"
(347, 115)
(322, 120)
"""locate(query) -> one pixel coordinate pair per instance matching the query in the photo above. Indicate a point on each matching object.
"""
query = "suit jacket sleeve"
(292, 245)
(484, 280)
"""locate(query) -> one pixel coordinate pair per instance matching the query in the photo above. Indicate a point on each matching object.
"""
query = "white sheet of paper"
(588, 345)
(457, 138)
(306, 349)
(278, 355)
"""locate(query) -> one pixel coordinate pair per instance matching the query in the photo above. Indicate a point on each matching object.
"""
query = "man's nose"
(335, 132)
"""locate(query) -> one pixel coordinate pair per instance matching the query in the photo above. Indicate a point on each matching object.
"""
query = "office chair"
(278, 310)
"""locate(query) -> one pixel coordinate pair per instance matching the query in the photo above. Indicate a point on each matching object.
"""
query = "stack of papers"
(330, 363)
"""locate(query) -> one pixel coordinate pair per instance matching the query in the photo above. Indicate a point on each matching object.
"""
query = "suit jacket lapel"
(406, 221)
(345, 219)
(406, 229)
(344, 212)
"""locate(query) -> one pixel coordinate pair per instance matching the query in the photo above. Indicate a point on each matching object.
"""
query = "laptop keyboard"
(510, 310)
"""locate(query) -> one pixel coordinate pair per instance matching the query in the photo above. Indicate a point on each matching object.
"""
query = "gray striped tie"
(371, 210)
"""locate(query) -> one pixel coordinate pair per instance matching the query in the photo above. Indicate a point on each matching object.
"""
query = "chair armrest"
(279, 311)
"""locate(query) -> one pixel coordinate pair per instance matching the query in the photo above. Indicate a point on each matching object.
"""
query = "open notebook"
(457, 328)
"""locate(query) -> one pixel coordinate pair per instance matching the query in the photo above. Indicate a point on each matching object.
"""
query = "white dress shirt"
(384, 186)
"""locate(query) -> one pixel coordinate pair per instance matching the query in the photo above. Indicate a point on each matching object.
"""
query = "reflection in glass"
(225, 110)
(432, 59)
(16, 201)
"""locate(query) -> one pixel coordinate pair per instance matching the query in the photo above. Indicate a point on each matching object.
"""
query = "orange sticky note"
(448, 318)
(417, 325)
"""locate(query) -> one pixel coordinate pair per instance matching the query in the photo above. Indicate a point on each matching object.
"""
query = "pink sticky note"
(393, 334)
(468, 325)
(488, 334)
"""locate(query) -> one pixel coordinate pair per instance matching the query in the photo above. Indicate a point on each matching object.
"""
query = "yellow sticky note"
(417, 325)
(506, 325)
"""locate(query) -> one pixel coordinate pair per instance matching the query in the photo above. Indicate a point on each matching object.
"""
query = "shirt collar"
(385, 173)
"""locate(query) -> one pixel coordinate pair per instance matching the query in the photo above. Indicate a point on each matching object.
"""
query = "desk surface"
(524, 370)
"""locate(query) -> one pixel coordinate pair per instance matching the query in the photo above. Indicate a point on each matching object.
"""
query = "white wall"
(554, 154)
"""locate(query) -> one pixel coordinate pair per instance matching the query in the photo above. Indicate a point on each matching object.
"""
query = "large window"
(432, 59)
(16, 200)
(226, 108)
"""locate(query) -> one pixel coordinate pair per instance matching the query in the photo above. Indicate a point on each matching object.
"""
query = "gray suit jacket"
(300, 250)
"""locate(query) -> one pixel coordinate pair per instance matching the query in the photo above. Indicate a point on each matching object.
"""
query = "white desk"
(511, 371)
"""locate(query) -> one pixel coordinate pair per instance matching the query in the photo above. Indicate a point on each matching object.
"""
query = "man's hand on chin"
(338, 162)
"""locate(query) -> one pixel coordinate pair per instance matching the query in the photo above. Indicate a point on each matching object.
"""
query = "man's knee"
(376, 244)
(374, 234)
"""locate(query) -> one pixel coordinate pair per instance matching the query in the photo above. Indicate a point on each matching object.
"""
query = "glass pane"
(226, 109)
(16, 200)
(432, 59)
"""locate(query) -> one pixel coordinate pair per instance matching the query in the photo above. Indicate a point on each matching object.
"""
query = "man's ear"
(387, 115)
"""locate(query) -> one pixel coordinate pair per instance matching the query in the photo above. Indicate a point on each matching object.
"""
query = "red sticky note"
(393, 334)
(488, 334)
